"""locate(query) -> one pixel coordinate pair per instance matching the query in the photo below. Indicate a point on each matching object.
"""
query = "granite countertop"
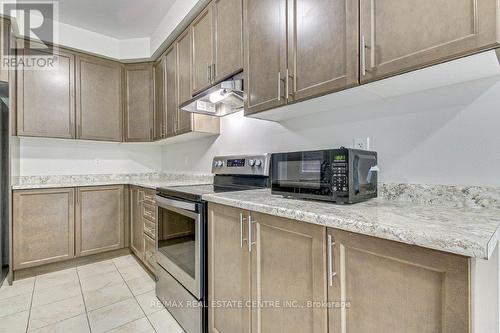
(471, 232)
(147, 180)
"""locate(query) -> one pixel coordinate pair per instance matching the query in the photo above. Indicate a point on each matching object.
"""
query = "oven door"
(305, 173)
(179, 241)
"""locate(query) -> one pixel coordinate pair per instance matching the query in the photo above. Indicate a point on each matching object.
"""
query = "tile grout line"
(135, 298)
(31, 304)
(83, 298)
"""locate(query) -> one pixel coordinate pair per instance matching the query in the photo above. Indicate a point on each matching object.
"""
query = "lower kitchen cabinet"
(143, 225)
(99, 219)
(284, 264)
(394, 287)
(358, 283)
(136, 224)
(43, 226)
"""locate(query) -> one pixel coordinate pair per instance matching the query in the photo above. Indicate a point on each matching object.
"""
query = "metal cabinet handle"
(280, 80)
(363, 56)
(331, 263)
(241, 230)
(213, 72)
(250, 222)
(287, 91)
(279, 86)
(209, 72)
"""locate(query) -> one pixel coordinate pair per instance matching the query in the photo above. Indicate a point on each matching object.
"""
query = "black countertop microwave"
(341, 175)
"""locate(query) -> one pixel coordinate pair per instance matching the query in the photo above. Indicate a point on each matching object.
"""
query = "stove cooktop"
(195, 192)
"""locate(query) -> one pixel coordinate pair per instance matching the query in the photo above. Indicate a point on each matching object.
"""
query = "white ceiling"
(121, 19)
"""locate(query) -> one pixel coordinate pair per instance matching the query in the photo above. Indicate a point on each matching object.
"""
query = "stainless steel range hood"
(222, 99)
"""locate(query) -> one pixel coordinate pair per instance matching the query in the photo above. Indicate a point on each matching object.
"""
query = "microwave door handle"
(373, 169)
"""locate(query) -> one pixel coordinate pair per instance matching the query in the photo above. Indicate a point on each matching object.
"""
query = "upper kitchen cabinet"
(322, 47)
(139, 103)
(264, 54)
(183, 50)
(316, 55)
(202, 51)
(217, 37)
(4, 47)
(398, 36)
(99, 99)
(159, 99)
(171, 105)
(228, 29)
(46, 99)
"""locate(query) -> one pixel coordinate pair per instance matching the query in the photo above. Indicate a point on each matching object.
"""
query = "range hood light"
(217, 96)
(222, 99)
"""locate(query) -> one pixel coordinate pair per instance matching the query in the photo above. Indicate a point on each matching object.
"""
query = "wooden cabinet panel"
(150, 253)
(228, 271)
(99, 99)
(99, 219)
(202, 37)
(183, 46)
(171, 91)
(139, 103)
(159, 98)
(228, 26)
(288, 264)
(136, 223)
(394, 287)
(46, 99)
(264, 54)
(396, 40)
(43, 226)
(4, 47)
(322, 47)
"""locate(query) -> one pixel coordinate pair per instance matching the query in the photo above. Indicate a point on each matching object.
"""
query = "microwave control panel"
(340, 173)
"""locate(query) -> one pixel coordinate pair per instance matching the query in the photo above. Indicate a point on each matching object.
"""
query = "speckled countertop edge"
(463, 231)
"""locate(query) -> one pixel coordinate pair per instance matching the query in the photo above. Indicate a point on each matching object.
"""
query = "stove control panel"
(242, 165)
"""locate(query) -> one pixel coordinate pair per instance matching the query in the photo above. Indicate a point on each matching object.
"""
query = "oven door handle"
(170, 203)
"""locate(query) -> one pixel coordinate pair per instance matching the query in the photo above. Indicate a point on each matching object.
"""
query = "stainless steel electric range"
(181, 240)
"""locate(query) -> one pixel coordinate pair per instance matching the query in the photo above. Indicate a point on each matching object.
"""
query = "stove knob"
(220, 164)
(258, 163)
(215, 163)
(251, 163)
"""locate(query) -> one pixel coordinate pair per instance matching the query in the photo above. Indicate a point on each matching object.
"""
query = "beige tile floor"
(110, 296)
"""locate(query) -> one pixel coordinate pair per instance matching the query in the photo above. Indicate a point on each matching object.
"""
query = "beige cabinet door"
(150, 253)
(322, 47)
(99, 99)
(183, 47)
(136, 223)
(228, 270)
(202, 36)
(228, 27)
(159, 98)
(288, 266)
(265, 60)
(4, 47)
(46, 99)
(139, 104)
(99, 219)
(43, 227)
(394, 287)
(171, 91)
(399, 36)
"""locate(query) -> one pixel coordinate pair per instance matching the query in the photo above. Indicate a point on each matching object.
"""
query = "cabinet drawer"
(149, 196)
(150, 253)
(149, 228)
(149, 212)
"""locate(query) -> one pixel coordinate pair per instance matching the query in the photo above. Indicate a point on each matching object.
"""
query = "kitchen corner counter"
(471, 232)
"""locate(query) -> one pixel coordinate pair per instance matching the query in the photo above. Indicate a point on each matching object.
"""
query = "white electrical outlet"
(362, 143)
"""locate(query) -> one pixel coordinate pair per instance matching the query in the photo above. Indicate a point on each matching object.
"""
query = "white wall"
(69, 157)
(443, 136)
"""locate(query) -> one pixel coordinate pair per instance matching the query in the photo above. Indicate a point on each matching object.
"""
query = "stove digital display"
(237, 163)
